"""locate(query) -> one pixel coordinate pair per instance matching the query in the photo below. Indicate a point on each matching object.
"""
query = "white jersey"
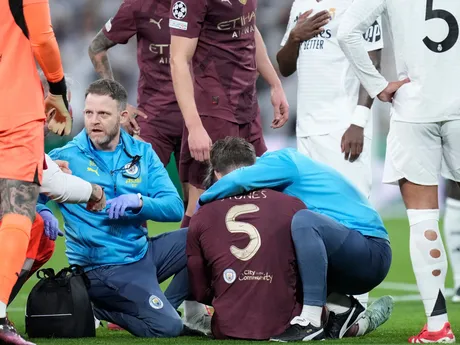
(328, 90)
(425, 36)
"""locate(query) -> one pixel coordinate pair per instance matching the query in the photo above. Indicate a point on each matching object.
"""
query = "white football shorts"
(327, 150)
(421, 152)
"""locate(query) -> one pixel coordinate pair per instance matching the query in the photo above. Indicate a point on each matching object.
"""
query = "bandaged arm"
(62, 187)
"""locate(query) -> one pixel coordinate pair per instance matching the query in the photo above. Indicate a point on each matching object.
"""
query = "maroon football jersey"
(148, 20)
(224, 64)
(241, 257)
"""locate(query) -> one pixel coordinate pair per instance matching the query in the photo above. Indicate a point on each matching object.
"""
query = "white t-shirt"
(425, 36)
(328, 90)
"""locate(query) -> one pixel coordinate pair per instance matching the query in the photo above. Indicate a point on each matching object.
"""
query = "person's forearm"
(200, 287)
(287, 56)
(183, 88)
(264, 65)
(364, 99)
(43, 40)
(97, 52)
(362, 112)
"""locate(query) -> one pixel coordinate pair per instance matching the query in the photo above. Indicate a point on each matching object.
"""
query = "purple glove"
(119, 205)
(197, 207)
(51, 225)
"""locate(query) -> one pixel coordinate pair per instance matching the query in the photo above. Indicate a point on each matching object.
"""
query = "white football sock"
(193, 310)
(363, 299)
(429, 262)
(337, 303)
(452, 236)
(2, 310)
(312, 314)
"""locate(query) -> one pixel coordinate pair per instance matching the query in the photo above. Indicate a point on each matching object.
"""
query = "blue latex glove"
(119, 205)
(51, 225)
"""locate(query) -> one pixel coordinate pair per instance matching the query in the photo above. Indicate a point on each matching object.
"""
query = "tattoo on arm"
(364, 98)
(18, 197)
(98, 54)
(97, 193)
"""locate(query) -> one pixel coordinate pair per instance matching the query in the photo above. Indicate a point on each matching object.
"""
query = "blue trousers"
(333, 258)
(130, 295)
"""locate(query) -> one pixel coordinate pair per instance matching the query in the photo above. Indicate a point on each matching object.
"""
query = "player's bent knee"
(303, 220)
(170, 327)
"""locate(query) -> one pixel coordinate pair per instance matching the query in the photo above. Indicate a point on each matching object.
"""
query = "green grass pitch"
(407, 319)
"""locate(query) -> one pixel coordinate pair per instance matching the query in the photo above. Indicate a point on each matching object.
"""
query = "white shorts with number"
(421, 152)
(327, 149)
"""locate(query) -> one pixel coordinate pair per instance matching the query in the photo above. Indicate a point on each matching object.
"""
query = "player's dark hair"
(231, 153)
(111, 88)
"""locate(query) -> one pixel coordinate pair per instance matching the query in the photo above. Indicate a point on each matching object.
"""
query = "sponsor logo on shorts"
(229, 276)
(179, 10)
(177, 24)
(155, 302)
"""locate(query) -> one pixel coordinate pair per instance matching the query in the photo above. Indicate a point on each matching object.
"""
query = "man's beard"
(108, 137)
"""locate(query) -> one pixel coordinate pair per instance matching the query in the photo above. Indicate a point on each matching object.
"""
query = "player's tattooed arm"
(364, 99)
(98, 54)
(18, 197)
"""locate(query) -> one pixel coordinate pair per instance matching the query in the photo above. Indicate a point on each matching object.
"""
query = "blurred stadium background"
(77, 21)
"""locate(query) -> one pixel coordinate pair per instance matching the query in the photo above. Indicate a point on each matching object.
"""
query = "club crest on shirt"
(229, 276)
(155, 302)
(332, 12)
(244, 2)
(131, 169)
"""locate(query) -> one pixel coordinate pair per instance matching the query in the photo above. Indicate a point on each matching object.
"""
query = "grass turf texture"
(407, 319)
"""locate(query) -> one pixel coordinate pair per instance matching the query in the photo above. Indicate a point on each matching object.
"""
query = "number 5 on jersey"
(237, 227)
(452, 36)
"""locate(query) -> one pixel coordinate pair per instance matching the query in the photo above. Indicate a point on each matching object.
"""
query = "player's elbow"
(177, 209)
(345, 36)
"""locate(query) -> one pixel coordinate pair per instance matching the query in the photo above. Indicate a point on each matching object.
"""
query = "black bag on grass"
(59, 306)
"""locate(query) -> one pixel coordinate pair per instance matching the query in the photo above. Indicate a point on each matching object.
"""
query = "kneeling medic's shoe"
(338, 324)
(300, 330)
(445, 335)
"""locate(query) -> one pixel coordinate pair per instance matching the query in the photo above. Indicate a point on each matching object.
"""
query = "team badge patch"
(131, 169)
(179, 10)
(229, 276)
(155, 302)
(244, 2)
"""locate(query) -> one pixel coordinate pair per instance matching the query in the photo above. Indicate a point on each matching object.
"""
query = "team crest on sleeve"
(179, 10)
(243, 2)
(155, 302)
(229, 276)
